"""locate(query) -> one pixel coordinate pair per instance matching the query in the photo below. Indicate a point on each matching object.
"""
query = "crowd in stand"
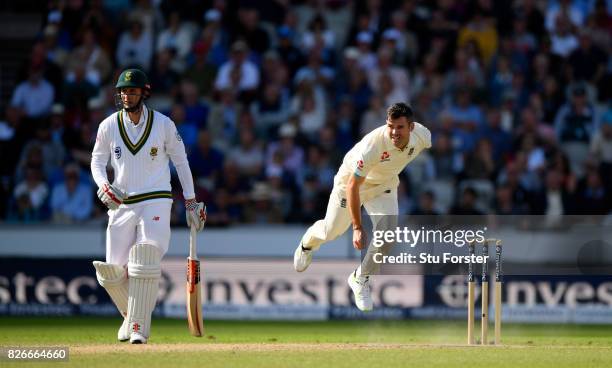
(269, 95)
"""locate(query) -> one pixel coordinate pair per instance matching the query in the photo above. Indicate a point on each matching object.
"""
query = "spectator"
(29, 197)
(72, 199)
(176, 38)
(135, 48)
(206, 162)
(426, 205)
(271, 109)
(601, 148)
(563, 41)
(574, 124)
(249, 30)
(482, 31)
(34, 96)
(292, 155)
(238, 73)
(248, 155)
(467, 204)
(89, 54)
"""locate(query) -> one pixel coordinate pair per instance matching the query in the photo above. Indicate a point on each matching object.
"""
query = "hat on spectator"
(287, 131)
(212, 15)
(261, 192)
(392, 34)
(365, 37)
(239, 45)
(57, 109)
(351, 53)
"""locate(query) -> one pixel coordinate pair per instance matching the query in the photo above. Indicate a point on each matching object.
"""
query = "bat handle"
(192, 243)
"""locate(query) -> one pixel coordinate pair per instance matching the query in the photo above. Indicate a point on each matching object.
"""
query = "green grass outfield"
(92, 343)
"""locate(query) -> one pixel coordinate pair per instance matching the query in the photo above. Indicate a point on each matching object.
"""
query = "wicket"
(485, 292)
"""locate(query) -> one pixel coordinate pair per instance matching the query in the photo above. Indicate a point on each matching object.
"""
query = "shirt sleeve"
(367, 157)
(100, 155)
(176, 151)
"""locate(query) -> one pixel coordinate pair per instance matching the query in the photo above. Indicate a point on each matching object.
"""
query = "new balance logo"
(155, 218)
(343, 203)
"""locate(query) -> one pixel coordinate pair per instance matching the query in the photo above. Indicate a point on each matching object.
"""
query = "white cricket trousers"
(382, 209)
(147, 223)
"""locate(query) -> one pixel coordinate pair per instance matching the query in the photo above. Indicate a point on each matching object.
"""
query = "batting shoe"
(124, 331)
(137, 338)
(361, 289)
(302, 258)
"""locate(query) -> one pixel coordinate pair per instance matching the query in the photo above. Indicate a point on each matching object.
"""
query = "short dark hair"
(399, 109)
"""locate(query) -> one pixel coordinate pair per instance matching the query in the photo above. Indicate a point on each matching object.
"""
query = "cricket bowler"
(368, 176)
(139, 143)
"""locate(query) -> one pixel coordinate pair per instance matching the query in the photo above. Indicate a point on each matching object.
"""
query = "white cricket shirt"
(379, 161)
(140, 156)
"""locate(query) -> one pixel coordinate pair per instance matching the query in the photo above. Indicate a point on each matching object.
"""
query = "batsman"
(139, 143)
(368, 177)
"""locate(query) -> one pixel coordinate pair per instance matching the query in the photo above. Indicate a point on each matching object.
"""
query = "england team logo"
(117, 152)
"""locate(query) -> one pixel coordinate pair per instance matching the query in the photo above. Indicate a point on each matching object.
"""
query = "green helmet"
(134, 78)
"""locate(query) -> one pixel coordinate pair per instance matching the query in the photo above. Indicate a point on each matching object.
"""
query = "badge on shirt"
(411, 151)
(178, 136)
(153, 153)
(385, 157)
(117, 152)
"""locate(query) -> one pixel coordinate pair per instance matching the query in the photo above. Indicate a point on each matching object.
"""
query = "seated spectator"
(601, 148)
(563, 41)
(592, 197)
(374, 116)
(271, 109)
(249, 29)
(163, 76)
(291, 154)
(195, 110)
(178, 38)
(398, 75)
(426, 205)
(317, 29)
(482, 30)
(51, 152)
(29, 197)
(248, 155)
(206, 162)
(238, 73)
(34, 96)
(467, 204)
(92, 57)
(187, 129)
(223, 119)
(574, 125)
(504, 203)
(289, 54)
(72, 199)
(555, 199)
(202, 72)
(467, 119)
(135, 48)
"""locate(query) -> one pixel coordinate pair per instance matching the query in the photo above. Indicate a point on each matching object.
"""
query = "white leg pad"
(113, 278)
(144, 272)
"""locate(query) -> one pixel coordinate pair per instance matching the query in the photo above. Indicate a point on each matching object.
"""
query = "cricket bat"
(194, 289)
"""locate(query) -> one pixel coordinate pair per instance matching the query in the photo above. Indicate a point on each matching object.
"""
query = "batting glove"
(195, 213)
(111, 196)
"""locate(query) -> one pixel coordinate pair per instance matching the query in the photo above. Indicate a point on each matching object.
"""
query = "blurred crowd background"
(269, 95)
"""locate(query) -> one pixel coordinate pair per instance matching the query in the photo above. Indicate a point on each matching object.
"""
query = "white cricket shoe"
(302, 258)
(137, 338)
(124, 331)
(361, 290)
